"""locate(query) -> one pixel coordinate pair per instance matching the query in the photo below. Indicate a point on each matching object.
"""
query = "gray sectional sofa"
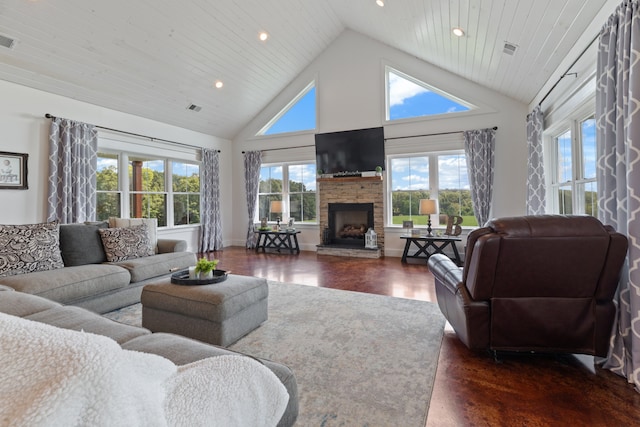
(72, 290)
(88, 280)
(178, 349)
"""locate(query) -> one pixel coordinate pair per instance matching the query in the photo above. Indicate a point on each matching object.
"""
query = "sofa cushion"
(30, 247)
(79, 319)
(152, 223)
(125, 243)
(21, 304)
(81, 244)
(70, 284)
(157, 265)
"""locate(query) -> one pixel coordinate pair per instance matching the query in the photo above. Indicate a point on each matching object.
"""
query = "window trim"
(285, 192)
(123, 157)
(571, 122)
(434, 178)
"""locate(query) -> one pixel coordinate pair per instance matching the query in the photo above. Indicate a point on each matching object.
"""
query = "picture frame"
(13, 171)
(291, 223)
(407, 224)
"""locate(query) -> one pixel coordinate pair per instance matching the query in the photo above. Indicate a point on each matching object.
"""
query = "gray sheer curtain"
(479, 149)
(210, 218)
(535, 176)
(618, 172)
(73, 160)
(252, 163)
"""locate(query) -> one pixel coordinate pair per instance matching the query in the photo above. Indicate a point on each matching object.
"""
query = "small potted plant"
(378, 170)
(205, 268)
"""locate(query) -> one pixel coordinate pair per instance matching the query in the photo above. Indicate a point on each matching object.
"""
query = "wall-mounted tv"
(350, 151)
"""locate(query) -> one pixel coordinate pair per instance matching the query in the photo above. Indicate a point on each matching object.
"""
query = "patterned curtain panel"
(73, 160)
(210, 218)
(479, 148)
(252, 163)
(535, 176)
(618, 172)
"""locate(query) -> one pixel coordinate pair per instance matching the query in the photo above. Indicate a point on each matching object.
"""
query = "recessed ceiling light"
(218, 84)
(380, 3)
(458, 32)
(263, 36)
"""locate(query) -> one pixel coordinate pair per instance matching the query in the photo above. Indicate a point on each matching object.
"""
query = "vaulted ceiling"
(154, 58)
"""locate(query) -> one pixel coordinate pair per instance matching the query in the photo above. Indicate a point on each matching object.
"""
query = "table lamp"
(428, 207)
(276, 207)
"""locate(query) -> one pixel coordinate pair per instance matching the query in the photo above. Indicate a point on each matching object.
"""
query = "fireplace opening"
(348, 223)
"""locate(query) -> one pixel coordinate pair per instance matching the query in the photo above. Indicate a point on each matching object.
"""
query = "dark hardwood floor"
(471, 388)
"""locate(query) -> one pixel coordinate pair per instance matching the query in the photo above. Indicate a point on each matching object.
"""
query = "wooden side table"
(424, 243)
(278, 240)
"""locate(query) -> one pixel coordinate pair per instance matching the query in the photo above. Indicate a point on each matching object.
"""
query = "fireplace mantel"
(350, 179)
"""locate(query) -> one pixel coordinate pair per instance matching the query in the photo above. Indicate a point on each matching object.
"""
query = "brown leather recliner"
(534, 283)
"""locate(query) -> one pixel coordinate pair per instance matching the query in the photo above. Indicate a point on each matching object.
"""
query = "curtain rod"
(151, 138)
(432, 134)
(386, 139)
(567, 73)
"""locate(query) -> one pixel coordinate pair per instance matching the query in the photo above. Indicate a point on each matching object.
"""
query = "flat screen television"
(350, 151)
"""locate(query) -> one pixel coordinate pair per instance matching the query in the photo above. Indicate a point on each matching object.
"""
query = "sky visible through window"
(409, 99)
(301, 116)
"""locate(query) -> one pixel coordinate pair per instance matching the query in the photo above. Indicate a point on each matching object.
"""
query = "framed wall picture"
(13, 171)
(407, 224)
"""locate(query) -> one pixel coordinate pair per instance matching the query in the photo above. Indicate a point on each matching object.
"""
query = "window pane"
(409, 183)
(270, 179)
(588, 134)
(185, 178)
(454, 195)
(149, 206)
(264, 207)
(409, 97)
(186, 209)
(302, 178)
(107, 172)
(563, 146)
(590, 192)
(309, 213)
(565, 204)
(146, 175)
(108, 205)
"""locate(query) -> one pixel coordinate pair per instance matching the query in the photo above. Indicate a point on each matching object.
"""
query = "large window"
(442, 176)
(165, 189)
(408, 97)
(292, 184)
(573, 151)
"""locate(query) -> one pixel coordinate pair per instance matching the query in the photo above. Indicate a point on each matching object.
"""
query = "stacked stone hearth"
(352, 190)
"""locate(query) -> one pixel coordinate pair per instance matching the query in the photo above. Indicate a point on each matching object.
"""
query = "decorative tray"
(182, 278)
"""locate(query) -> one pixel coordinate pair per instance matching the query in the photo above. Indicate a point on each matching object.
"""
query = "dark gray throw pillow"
(81, 244)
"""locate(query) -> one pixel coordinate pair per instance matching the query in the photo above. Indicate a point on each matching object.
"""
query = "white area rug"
(359, 359)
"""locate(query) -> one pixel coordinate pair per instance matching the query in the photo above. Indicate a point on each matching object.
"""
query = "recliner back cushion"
(80, 244)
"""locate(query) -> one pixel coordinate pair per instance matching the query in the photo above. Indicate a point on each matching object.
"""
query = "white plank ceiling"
(153, 58)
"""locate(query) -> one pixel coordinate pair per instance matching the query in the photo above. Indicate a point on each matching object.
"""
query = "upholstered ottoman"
(220, 313)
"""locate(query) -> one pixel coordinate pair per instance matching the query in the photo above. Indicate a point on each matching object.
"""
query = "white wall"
(350, 95)
(24, 129)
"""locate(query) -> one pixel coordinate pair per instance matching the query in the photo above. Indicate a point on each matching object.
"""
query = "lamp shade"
(427, 207)
(276, 206)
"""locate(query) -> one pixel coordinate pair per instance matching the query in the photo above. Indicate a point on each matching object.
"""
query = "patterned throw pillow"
(125, 243)
(152, 224)
(28, 248)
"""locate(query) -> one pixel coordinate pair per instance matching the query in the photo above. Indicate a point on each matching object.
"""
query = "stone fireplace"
(348, 207)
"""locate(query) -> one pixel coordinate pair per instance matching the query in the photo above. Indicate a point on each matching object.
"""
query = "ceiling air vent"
(509, 48)
(194, 107)
(7, 42)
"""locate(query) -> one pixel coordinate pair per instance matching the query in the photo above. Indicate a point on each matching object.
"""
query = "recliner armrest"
(445, 271)
(171, 245)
